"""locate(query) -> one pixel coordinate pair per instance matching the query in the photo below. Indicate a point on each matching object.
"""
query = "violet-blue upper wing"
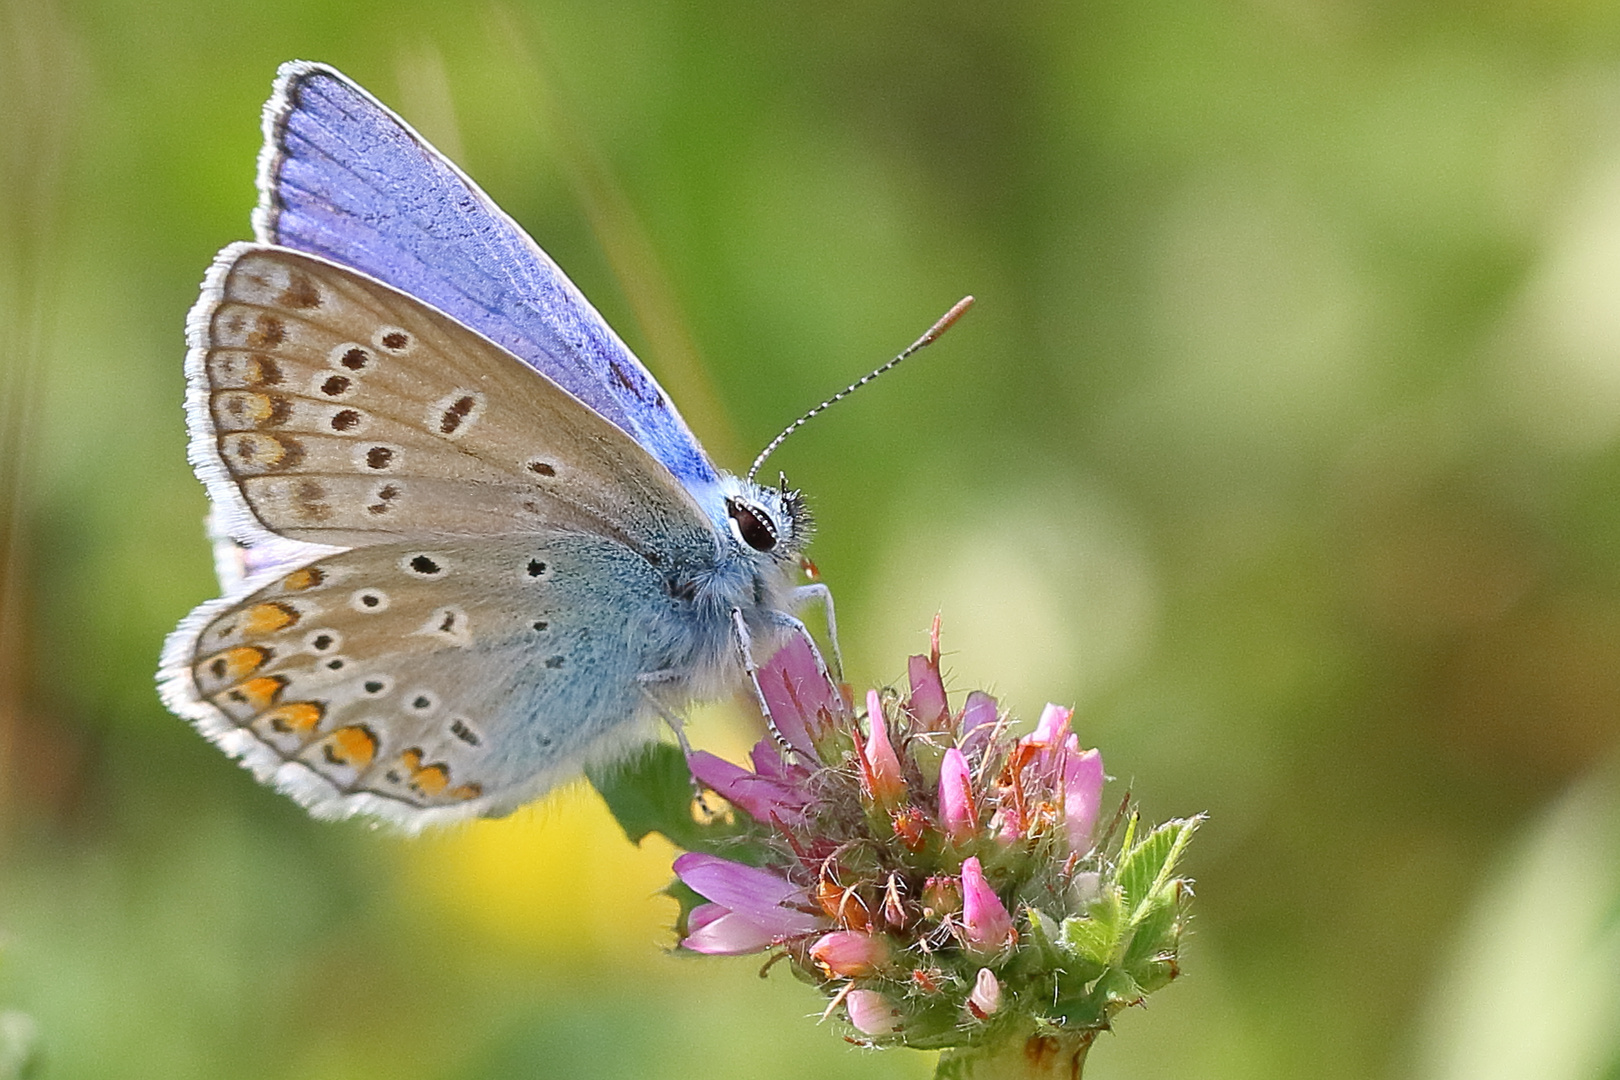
(342, 176)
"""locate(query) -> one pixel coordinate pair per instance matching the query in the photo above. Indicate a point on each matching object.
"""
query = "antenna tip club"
(946, 320)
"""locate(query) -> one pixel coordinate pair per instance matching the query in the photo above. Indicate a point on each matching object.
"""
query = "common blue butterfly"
(466, 541)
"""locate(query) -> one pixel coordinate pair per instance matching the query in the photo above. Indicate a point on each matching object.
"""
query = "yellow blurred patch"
(559, 879)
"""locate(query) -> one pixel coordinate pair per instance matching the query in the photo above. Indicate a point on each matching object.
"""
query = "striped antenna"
(929, 338)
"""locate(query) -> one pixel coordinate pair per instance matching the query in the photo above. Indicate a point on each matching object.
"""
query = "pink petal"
(987, 926)
(798, 695)
(1083, 780)
(851, 953)
(927, 702)
(871, 1013)
(762, 798)
(880, 766)
(977, 722)
(1053, 727)
(957, 818)
(767, 760)
(759, 895)
(702, 916)
(728, 935)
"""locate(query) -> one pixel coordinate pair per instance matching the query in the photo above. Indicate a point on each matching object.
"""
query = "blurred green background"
(1284, 442)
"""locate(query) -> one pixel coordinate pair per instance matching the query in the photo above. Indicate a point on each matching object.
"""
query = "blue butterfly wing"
(343, 177)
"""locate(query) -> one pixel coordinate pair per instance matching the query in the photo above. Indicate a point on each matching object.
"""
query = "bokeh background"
(1284, 442)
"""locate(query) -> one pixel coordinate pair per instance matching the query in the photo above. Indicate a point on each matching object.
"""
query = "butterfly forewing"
(423, 681)
(343, 177)
(344, 412)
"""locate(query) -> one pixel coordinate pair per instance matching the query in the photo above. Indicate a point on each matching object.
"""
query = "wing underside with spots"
(342, 176)
(328, 407)
(425, 682)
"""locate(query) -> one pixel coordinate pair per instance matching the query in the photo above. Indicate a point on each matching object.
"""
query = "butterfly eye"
(753, 527)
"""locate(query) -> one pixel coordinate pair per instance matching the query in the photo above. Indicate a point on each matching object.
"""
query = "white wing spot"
(376, 685)
(376, 458)
(323, 641)
(394, 339)
(449, 623)
(348, 421)
(369, 601)
(335, 387)
(352, 357)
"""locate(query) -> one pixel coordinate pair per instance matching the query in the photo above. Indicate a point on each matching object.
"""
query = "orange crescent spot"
(261, 693)
(354, 745)
(261, 619)
(261, 370)
(251, 408)
(233, 665)
(429, 780)
(465, 792)
(296, 717)
(307, 578)
(253, 450)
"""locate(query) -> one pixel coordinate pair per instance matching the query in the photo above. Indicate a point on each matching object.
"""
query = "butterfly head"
(766, 522)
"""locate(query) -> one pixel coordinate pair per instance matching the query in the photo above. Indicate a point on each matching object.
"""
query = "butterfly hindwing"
(428, 681)
(344, 412)
(343, 177)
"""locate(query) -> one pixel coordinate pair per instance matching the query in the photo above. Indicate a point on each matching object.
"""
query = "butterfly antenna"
(929, 338)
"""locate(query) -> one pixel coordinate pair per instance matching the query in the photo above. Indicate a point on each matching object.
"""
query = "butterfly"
(467, 543)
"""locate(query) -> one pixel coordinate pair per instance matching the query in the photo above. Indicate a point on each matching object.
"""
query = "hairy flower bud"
(851, 953)
(986, 926)
(986, 996)
(956, 811)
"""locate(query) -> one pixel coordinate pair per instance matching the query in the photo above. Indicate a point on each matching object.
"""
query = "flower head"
(933, 871)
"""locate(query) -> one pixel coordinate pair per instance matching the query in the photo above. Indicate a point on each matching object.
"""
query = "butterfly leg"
(745, 656)
(806, 594)
(676, 723)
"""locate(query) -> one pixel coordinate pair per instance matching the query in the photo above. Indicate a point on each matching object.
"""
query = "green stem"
(1036, 1057)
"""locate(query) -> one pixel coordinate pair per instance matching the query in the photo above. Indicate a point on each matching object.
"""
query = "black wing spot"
(378, 457)
(385, 494)
(336, 386)
(375, 687)
(460, 730)
(542, 468)
(455, 414)
(536, 568)
(554, 662)
(424, 565)
(541, 625)
(345, 420)
(356, 359)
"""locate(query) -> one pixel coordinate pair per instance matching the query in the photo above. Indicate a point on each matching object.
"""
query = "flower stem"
(1035, 1057)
